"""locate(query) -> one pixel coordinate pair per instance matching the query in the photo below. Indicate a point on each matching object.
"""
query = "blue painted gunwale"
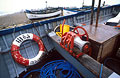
(11, 30)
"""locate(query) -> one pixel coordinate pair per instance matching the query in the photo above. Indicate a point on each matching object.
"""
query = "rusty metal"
(98, 11)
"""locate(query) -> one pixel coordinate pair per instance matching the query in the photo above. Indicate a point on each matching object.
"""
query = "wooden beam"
(98, 10)
(92, 12)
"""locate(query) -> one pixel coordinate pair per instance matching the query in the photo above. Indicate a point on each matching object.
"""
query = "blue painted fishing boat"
(30, 50)
(41, 14)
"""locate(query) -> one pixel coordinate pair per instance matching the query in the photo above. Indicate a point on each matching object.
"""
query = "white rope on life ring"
(16, 46)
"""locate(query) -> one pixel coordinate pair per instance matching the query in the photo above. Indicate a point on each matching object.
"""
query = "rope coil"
(55, 69)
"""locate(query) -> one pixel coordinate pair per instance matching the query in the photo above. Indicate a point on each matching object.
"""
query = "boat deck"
(93, 67)
(11, 68)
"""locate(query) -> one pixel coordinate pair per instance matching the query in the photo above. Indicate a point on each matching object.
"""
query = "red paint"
(67, 41)
(39, 42)
(80, 35)
(83, 24)
(18, 57)
(78, 55)
(85, 47)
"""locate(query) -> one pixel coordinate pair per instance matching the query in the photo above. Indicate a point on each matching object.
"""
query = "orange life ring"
(16, 46)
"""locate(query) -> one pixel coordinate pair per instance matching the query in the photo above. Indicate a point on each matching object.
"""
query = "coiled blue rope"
(56, 68)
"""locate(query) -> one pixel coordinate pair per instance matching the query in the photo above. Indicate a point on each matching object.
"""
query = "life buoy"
(16, 46)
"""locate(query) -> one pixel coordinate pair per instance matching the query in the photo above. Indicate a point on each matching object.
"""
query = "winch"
(75, 42)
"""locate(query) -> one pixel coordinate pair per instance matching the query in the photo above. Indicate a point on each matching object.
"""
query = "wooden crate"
(104, 40)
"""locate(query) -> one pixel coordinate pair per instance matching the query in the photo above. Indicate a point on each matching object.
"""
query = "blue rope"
(101, 71)
(51, 69)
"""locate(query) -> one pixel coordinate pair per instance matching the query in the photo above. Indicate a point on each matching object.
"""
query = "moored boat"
(43, 13)
(69, 12)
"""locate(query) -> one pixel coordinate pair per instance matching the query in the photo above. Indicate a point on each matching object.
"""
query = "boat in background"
(114, 21)
(69, 12)
(41, 14)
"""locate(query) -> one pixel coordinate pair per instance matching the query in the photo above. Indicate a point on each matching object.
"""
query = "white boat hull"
(68, 12)
(40, 16)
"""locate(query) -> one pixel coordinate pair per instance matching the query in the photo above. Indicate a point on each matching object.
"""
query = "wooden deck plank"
(94, 66)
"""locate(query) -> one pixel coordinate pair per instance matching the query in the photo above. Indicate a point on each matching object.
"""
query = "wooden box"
(104, 40)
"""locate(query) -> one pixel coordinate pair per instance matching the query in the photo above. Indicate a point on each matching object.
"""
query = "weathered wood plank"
(102, 33)
(94, 66)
